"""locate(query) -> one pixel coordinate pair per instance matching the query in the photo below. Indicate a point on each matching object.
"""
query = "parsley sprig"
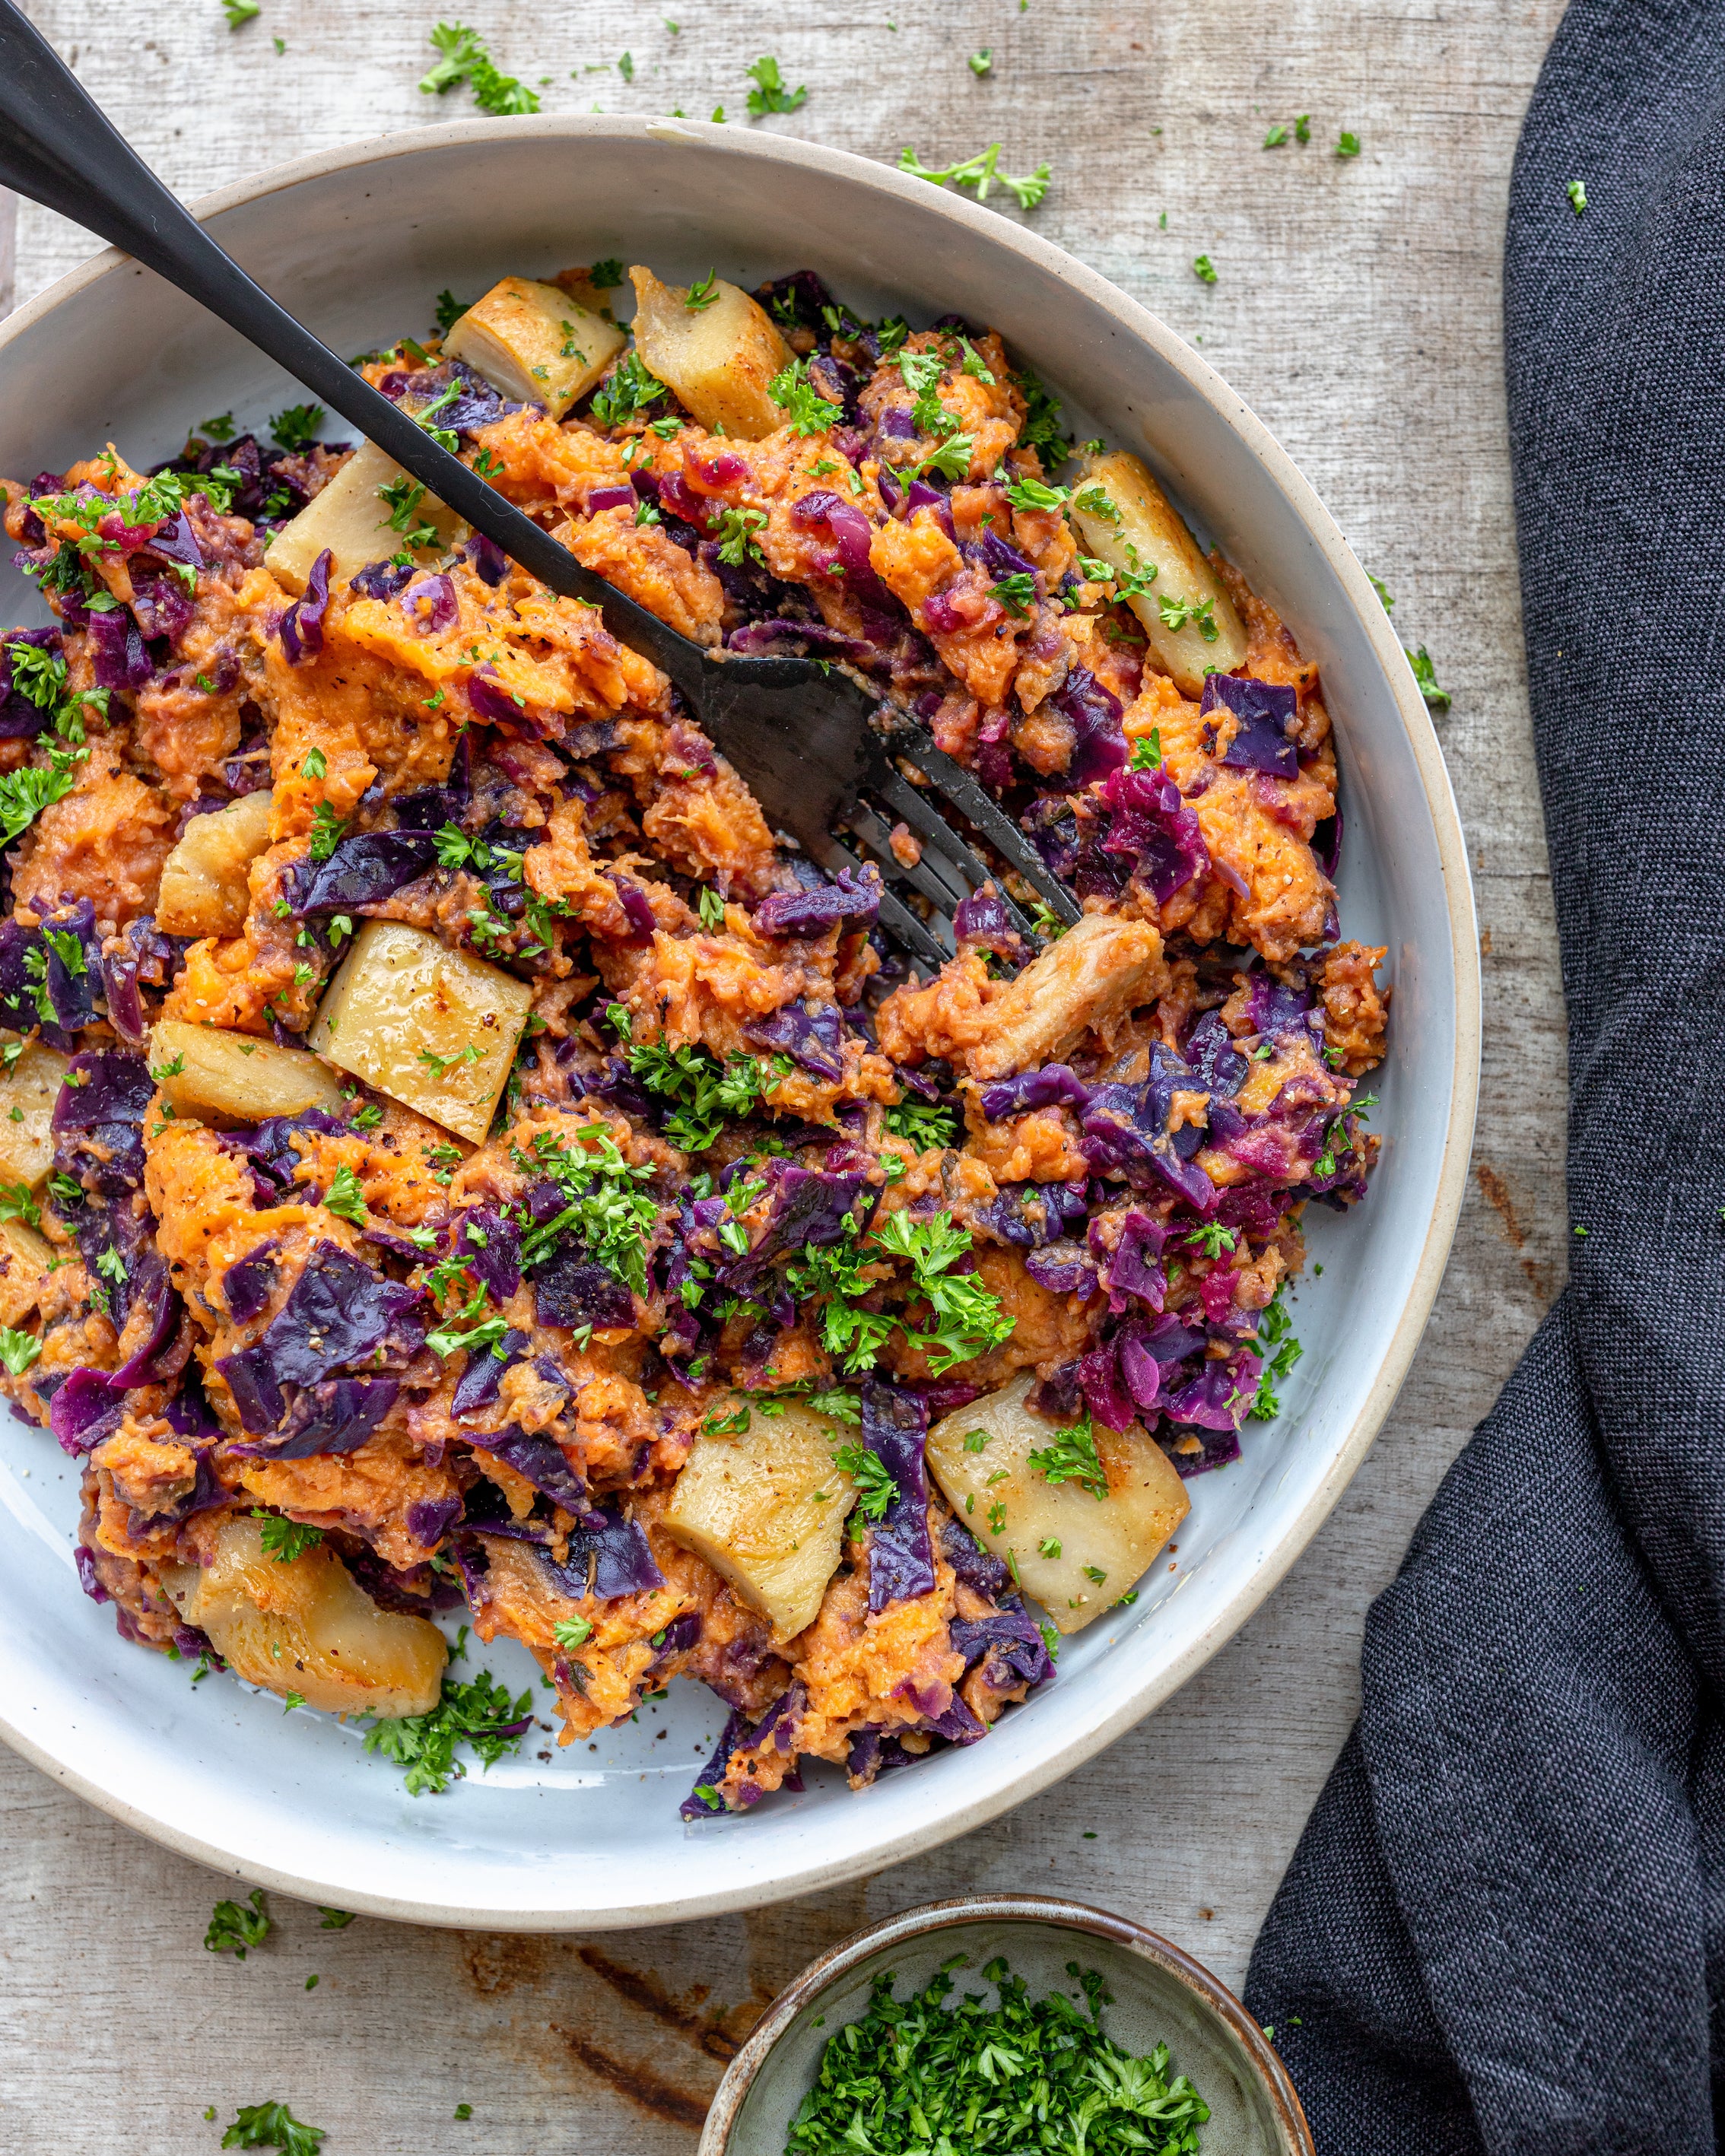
(464, 57)
(272, 2126)
(968, 1319)
(607, 1209)
(1281, 1351)
(876, 1492)
(235, 1926)
(479, 1714)
(1071, 1456)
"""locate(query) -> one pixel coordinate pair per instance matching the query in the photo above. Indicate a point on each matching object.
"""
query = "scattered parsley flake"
(479, 1714)
(296, 428)
(980, 173)
(1071, 1456)
(1577, 192)
(464, 57)
(876, 1492)
(235, 1927)
(770, 95)
(981, 61)
(272, 2126)
(1347, 144)
(1203, 270)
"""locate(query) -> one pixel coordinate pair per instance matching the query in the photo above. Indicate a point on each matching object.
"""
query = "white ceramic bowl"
(357, 243)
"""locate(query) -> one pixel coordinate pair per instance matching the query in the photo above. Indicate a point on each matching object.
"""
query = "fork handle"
(58, 147)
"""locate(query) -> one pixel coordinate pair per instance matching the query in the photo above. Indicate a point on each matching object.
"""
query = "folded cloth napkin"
(1504, 1927)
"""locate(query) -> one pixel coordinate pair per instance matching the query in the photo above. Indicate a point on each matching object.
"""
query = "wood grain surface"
(1356, 306)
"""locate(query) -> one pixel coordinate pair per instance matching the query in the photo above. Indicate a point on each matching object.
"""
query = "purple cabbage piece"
(1107, 1396)
(1063, 1268)
(539, 1459)
(574, 1290)
(474, 404)
(381, 580)
(160, 602)
(1133, 1268)
(1153, 828)
(188, 1414)
(812, 1038)
(1052, 1085)
(895, 1429)
(1326, 845)
(621, 495)
(810, 1205)
(851, 535)
(999, 557)
(117, 651)
(872, 1753)
(362, 871)
(31, 967)
(270, 1147)
(1124, 1133)
(985, 1573)
(1216, 1448)
(84, 1559)
(1276, 1010)
(175, 540)
(1219, 1396)
(335, 1415)
(491, 701)
(609, 1552)
(678, 1637)
(429, 603)
(1139, 1371)
(20, 719)
(476, 1388)
(983, 922)
(1267, 713)
(143, 957)
(147, 1279)
(1098, 737)
(432, 1519)
(1218, 1065)
(117, 1089)
(248, 1286)
(1067, 835)
(798, 301)
(851, 897)
(638, 909)
(959, 1724)
(1032, 1215)
(1009, 1635)
(302, 624)
(339, 1313)
(85, 1409)
(491, 1243)
(734, 1735)
(770, 640)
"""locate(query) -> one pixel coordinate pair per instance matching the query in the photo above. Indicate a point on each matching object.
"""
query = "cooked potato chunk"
(718, 357)
(1128, 521)
(765, 1507)
(352, 519)
(232, 1077)
(1075, 1552)
(432, 1027)
(535, 343)
(204, 886)
(307, 1626)
(28, 1092)
(27, 1260)
(1099, 970)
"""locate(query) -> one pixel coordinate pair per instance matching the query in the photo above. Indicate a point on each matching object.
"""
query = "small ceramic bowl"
(1160, 1996)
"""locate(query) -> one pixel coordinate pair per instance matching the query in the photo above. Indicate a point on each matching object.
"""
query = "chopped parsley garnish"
(1347, 144)
(607, 1210)
(770, 93)
(967, 1320)
(327, 829)
(1276, 137)
(802, 404)
(1041, 2079)
(1203, 270)
(1016, 592)
(628, 389)
(296, 428)
(1281, 1351)
(980, 172)
(24, 793)
(1177, 613)
(1213, 1239)
(606, 274)
(701, 296)
(272, 2125)
(923, 1124)
(440, 1066)
(572, 1632)
(1035, 494)
(450, 310)
(736, 534)
(18, 1350)
(706, 1093)
(479, 1714)
(980, 62)
(333, 1920)
(239, 11)
(1424, 676)
(345, 1198)
(236, 1926)
(1071, 1456)
(1577, 192)
(15, 1203)
(876, 1492)
(1147, 750)
(464, 58)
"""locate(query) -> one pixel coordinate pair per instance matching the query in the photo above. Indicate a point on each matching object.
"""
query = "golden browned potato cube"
(1059, 1535)
(1127, 521)
(224, 1078)
(307, 1626)
(719, 358)
(434, 1028)
(535, 343)
(1099, 970)
(352, 519)
(765, 1506)
(204, 887)
(28, 1093)
(26, 1262)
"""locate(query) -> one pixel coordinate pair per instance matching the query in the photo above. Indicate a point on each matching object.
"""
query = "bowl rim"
(739, 2077)
(1138, 321)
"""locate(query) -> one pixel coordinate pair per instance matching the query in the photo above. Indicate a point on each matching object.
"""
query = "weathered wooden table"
(1356, 307)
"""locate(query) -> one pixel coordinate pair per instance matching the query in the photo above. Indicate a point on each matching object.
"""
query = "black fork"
(804, 738)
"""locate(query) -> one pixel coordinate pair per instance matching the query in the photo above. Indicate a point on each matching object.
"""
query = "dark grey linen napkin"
(1504, 1927)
